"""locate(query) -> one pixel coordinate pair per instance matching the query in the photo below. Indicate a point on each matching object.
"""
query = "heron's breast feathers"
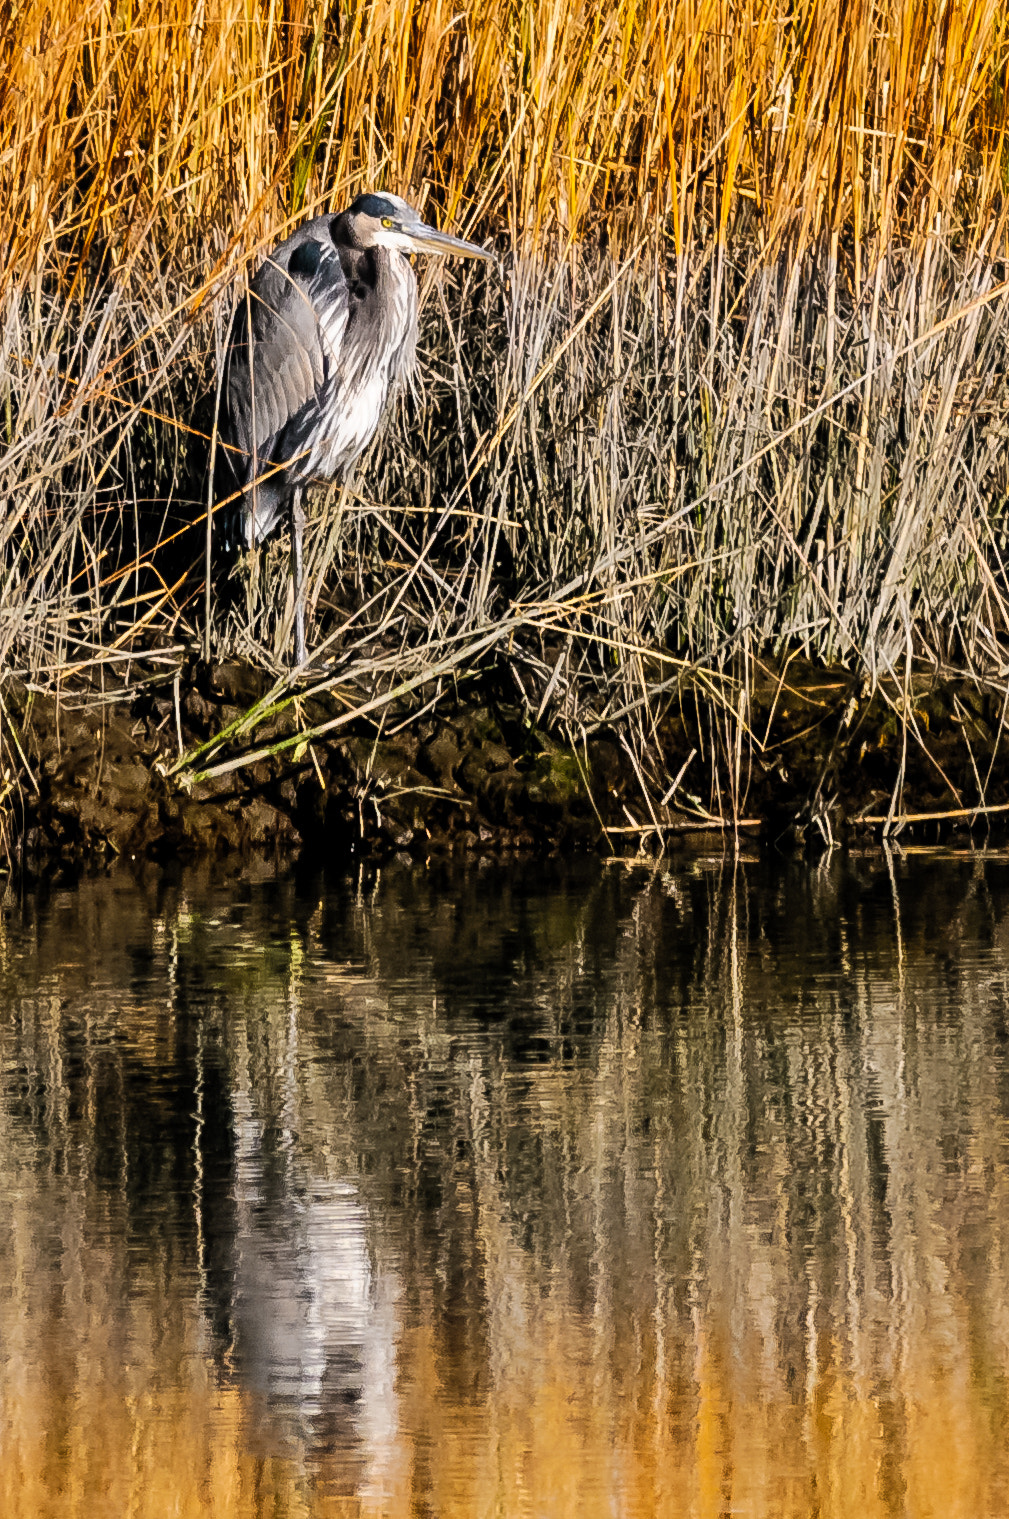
(314, 356)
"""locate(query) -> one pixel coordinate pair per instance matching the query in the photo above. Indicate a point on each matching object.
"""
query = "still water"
(505, 1191)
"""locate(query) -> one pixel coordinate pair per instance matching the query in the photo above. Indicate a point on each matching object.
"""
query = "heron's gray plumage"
(326, 329)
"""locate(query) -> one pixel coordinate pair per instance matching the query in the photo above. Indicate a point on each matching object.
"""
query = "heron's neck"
(381, 331)
(395, 294)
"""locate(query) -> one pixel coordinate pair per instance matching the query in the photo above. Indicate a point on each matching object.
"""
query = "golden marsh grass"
(552, 121)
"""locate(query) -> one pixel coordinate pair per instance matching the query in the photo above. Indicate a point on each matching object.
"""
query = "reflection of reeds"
(697, 1211)
(741, 386)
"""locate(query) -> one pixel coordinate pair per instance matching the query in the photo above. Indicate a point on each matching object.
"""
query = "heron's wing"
(297, 318)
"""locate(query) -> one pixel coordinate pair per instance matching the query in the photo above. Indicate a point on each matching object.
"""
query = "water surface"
(508, 1191)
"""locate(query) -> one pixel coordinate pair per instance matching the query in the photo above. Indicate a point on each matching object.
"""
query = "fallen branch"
(686, 825)
(933, 817)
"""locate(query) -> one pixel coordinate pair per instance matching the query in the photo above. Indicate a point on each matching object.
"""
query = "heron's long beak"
(427, 239)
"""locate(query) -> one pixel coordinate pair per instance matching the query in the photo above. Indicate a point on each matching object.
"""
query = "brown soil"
(809, 757)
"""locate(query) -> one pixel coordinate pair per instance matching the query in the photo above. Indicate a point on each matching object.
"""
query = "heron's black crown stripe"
(373, 205)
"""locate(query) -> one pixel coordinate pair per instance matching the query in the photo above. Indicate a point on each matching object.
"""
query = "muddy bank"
(804, 755)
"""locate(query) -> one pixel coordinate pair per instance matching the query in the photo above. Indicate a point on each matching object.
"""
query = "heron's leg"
(298, 520)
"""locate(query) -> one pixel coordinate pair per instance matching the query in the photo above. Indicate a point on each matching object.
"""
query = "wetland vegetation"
(698, 517)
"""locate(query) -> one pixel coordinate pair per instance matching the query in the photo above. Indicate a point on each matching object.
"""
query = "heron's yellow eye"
(387, 221)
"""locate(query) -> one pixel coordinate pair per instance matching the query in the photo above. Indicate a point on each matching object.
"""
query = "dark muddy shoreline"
(806, 758)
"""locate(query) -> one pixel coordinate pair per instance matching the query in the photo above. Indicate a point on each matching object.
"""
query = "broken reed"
(740, 383)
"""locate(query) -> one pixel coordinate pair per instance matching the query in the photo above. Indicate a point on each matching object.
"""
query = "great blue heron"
(328, 326)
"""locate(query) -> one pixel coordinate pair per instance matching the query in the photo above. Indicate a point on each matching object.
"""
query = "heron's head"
(386, 221)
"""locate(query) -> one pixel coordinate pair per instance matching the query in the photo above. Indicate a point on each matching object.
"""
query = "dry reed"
(741, 386)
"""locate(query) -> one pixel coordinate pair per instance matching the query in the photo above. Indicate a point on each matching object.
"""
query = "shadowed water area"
(509, 1190)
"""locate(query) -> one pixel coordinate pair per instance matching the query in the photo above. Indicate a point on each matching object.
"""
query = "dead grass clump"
(740, 387)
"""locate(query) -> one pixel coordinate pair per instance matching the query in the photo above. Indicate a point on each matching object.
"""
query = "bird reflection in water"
(303, 1319)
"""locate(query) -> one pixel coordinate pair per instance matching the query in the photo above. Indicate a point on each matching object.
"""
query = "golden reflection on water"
(490, 1193)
